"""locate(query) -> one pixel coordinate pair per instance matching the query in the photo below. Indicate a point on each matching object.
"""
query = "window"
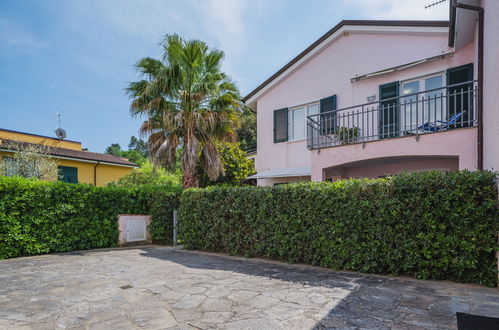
(298, 120)
(68, 174)
(297, 123)
(424, 107)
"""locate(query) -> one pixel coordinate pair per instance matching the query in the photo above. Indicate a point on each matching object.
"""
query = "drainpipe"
(479, 10)
(95, 173)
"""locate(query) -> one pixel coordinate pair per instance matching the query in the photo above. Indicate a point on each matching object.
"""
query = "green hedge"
(40, 217)
(429, 224)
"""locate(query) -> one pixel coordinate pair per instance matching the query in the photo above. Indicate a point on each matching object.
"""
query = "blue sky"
(76, 56)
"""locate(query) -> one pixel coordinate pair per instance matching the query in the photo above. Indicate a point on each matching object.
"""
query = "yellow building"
(75, 165)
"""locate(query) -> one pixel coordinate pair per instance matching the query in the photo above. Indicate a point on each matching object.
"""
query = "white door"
(135, 230)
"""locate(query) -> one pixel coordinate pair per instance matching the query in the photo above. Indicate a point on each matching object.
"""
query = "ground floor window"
(68, 174)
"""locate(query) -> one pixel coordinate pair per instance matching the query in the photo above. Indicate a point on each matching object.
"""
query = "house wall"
(392, 166)
(491, 85)
(18, 136)
(330, 73)
(458, 143)
(105, 173)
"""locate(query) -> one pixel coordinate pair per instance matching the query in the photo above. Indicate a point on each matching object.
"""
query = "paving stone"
(189, 302)
(217, 305)
(163, 288)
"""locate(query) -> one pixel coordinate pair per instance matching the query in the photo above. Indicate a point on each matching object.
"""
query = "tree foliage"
(30, 161)
(137, 151)
(246, 132)
(147, 174)
(237, 166)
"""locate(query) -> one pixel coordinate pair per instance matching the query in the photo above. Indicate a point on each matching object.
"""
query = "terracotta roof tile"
(62, 152)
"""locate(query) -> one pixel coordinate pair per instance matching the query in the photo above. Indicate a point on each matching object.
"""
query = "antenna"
(434, 4)
(59, 132)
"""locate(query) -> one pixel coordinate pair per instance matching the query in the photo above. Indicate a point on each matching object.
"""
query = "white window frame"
(422, 90)
(306, 107)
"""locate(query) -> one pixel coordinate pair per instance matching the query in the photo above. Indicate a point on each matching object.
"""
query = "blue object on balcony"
(439, 124)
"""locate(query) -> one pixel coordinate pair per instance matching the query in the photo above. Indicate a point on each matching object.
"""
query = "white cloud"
(400, 9)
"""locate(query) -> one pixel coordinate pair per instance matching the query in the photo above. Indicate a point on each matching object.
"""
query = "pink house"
(373, 98)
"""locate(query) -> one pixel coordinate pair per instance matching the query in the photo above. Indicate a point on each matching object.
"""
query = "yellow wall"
(5, 134)
(105, 173)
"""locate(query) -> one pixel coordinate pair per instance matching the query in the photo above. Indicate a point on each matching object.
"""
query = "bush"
(148, 175)
(429, 224)
(40, 217)
(237, 167)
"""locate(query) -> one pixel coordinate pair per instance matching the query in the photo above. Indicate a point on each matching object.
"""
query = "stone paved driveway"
(161, 288)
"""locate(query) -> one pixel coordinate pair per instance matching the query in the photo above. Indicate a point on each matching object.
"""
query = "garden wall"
(431, 225)
(41, 217)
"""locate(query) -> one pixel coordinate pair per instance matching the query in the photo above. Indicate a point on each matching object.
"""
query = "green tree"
(138, 145)
(137, 151)
(237, 166)
(186, 101)
(246, 132)
(114, 149)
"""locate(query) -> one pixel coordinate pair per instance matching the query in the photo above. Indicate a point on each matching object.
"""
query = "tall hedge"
(40, 217)
(430, 224)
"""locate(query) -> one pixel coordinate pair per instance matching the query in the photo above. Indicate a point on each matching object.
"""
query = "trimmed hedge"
(429, 224)
(41, 217)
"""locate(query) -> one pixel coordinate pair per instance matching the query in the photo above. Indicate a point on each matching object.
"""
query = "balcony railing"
(425, 112)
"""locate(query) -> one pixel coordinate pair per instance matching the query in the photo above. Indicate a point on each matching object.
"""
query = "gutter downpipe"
(95, 173)
(479, 10)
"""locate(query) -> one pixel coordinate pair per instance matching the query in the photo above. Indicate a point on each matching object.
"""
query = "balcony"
(425, 112)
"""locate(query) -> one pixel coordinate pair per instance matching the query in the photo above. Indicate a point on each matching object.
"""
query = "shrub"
(40, 217)
(237, 166)
(147, 174)
(430, 224)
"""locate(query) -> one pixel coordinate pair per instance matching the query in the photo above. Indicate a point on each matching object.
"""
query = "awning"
(283, 173)
(401, 67)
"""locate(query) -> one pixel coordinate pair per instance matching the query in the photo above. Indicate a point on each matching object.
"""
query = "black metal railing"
(429, 111)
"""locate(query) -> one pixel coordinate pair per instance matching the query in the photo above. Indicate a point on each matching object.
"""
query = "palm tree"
(186, 101)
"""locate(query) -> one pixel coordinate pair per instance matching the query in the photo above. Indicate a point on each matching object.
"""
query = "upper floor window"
(298, 120)
(432, 100)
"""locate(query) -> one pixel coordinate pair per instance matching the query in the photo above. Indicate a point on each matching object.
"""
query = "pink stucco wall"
(329, 73)
(491, 85)
(458, 143)
(388, 166)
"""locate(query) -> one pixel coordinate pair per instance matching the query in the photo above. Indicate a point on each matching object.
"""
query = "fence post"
(175, 221)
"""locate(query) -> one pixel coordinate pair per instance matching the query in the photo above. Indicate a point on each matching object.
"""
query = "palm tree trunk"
(189, 161)
(189, 180)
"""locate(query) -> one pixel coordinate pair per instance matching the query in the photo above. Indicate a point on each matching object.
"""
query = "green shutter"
(459, 96)
(68, 174)
(281, 125)
(328, 121)
(389, 111)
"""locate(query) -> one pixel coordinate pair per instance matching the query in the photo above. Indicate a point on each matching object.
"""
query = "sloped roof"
(12, 145)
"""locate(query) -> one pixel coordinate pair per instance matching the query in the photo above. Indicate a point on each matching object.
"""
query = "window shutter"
(68, 174)
(328, 121)
(281, 125)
